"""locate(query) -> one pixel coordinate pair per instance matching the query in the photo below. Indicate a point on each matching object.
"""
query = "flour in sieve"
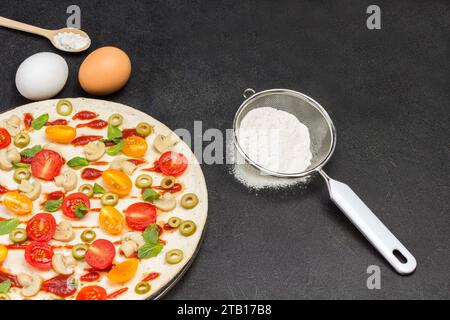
(276, 140)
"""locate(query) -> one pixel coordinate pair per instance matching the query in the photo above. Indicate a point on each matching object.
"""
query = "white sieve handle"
(371, 227)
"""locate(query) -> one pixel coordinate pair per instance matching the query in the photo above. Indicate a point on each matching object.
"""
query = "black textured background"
(387, 91)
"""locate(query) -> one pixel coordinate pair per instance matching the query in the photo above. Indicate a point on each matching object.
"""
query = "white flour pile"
(69, 41)
(276, 140)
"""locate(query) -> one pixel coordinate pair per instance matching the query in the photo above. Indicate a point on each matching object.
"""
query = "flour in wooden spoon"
(276, 140)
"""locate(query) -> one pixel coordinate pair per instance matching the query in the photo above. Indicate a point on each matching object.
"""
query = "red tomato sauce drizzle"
(151, 276)
(59, 122)
(131, 132)
(100, 163)
(85, 115)
(60, 286)
(175, 189)
(96, 124)
(137, 162)
(84, 140)
(91, 174)
(3, 190)
(6, 276)
(117, 293)
(27, 120)
(91, 276)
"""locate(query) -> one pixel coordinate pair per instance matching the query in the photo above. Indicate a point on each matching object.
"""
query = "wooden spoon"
(49, 34)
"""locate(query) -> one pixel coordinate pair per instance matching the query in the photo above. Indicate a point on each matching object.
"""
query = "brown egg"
(105, 71)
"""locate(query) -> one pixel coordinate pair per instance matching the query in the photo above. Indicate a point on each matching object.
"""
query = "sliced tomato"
(100, 254)
(5, 138)
(111, 220)
(135, 147)
(118, 182)
(173, 164)
(46, 165)
(72, 201)
(41, 227)
(140, 215)
(18, 203)
(92, 293)
(124, 272)
(39, 255)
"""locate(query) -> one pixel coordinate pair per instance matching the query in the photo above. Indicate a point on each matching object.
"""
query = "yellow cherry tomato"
(111, 220)
(123, 272)
(117, 182)
(18, 203)
(135, 147)
(3, 253)
(61, 134)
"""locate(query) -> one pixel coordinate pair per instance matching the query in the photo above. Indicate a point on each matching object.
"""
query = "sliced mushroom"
(94, 150)
(8, 157)
(166, 203)
(164, 144)
(124, 165)
(131, 242)
(31, 284)
(32, 190)
(64, 232)
(12, 125)
(68, 180)
(63, 264)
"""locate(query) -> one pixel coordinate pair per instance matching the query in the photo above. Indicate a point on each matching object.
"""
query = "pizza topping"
(64, 232)
(124, 165)
(6, 226)
(94, 151)
(22, 140)
(140, 215)
(88, 236)
(31, 190)
(110, 199)
(100, 254)
(95, 124)
(3, 254)
(111, 220)
(116, 148)
(117, 182)
(67, 180)
(8, 158)
(61, 134)
(58, 122)
(18, 235)
(27, 120)
(165, 203)
(76, 205)
(41, 227)
(46, 165)
(174, 256)
(135, 147)
(115, 120)
(39, 255)
(189, 201)
(53, 205)
(18, 203)
(90, 276)
(85, 115)
(144, 129)
(87, 189)
(21, 174)
(63, 264)
(143, 288)
(92, 293)
(62, 286)
(91, 174)
(124, 271)
(40, 122)
(131, 242)
(130, 133)
(78, 163)
(11, 125)
(165, 144)
(187, 228)
(31, 284)
(84, 140)
(64, 107)
(79, 251)
(173, 164)
(144, 181)
(174, 222)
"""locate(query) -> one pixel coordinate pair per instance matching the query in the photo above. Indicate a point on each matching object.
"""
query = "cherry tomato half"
(5, 138)
(72, 201)
(173, 164)
(18, 203)
(61, 134)
(111, 220)
(46, 165)
(135, 147)
(140, 215)
(124, 271)
(39, 255)
(41, 227)
(100, 254)
(92, 293)
(117, 182)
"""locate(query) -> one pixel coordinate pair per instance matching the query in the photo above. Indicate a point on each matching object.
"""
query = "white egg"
(42, 76)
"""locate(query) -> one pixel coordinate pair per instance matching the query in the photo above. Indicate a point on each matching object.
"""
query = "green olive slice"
(144, 129)
(168, 182)
(21, 174)
(87, 189)
(64, 107)
(4, 296)
(144, 181)
(22, 140)
(115, 120)
(88, 236)
(18, 235)
(174, 256)
(143, 288)
(174, 222)
(189, 201)
(110, 199)
(187, 228)
(79, 251)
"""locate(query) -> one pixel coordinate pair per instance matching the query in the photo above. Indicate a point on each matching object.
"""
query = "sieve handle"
(371, 227)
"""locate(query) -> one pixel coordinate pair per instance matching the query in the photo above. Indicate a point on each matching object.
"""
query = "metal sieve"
(323, 143)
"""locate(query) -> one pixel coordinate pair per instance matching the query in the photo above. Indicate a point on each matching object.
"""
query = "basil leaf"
(98, 189)
(39, 122)
(30, 152)
(81, 210)
(149, 250)
(114, 133)
(151, 234)
(78, 163)
(53, 205)
(19, 165)
(114, 151)
(150, 195)
(5, 286)
(8, 225)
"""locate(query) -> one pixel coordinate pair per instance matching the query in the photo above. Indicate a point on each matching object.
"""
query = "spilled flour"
(277, 141)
